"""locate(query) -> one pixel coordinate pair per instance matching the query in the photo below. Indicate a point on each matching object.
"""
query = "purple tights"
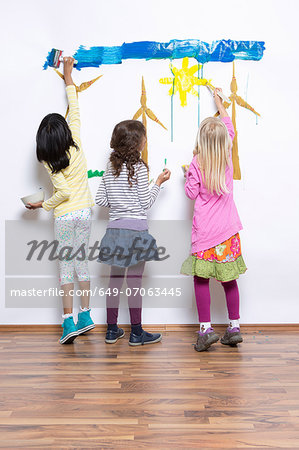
(134, 282)
(203, 298)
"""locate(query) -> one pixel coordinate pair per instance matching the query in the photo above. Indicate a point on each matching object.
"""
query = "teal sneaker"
(84, 323)
(69, 331)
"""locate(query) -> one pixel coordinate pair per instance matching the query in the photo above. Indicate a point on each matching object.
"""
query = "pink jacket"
(215, 217)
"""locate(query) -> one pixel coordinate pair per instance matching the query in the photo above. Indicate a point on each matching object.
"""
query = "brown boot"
(232, 337)
(205, 340)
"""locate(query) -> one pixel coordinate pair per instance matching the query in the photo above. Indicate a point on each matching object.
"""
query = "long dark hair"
(53, 141)
(126, 141)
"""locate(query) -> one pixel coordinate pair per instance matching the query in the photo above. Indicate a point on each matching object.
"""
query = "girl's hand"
(34, 205)
(217, 98)
(164, 176)
(68, 64)
(185, 169)
(219, 104)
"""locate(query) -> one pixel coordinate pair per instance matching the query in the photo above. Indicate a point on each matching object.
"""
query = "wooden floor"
(163, 396)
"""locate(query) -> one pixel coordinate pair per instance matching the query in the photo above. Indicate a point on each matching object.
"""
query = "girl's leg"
(67, 299)
(84, 287)
(69, 328)
(134, 282)
(203, 302)
(64, 234)
(232, 299)
(232, 335)
(117, 275)
(206, 335)
(81, 244)
(138, 336)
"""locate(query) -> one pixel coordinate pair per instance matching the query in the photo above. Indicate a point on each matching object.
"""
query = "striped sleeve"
(61, 189)
(101, 196)
(74, 113)
(146, 197)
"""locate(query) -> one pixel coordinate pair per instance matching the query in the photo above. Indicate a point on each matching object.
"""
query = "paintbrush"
(55, 58)
(221, 95)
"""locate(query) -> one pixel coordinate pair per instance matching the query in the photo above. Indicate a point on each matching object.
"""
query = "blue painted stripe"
(223, 51)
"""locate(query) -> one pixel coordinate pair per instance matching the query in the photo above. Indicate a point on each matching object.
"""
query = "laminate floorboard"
(90, 395)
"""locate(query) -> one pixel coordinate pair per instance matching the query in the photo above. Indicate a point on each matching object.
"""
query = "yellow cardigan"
(71, 190)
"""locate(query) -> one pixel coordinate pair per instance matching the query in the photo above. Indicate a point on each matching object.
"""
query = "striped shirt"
(71, 190)
(125, 200)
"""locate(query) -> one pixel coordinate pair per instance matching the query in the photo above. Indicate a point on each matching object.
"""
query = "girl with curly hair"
(127, 245)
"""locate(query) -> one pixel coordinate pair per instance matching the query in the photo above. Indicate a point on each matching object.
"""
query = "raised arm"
(230, 127)
(146, 196)
(224, 115)
(219, 104)
(74, 112)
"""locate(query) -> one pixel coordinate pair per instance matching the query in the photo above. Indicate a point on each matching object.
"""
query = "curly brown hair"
(126, 143)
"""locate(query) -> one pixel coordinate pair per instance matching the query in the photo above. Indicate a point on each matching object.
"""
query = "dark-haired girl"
(59, 149)
(127, 245)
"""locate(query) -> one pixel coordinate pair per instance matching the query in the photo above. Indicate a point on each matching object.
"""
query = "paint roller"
(55, 58)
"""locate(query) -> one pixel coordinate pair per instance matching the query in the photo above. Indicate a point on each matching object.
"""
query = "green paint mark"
(96, 173)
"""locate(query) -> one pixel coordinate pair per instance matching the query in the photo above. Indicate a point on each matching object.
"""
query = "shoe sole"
(233, 341)
(85, 329)
(134, 344)
(69, 338)
(112, 341)
(208, 344)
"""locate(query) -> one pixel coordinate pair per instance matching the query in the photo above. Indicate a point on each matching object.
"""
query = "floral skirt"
(224, 262)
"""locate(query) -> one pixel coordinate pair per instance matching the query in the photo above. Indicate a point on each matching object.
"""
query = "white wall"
(267, 195)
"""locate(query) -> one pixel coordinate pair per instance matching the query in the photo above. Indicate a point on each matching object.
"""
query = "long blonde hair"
(212, 146)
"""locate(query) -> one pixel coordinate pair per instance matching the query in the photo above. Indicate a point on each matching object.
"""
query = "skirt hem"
(211, 269)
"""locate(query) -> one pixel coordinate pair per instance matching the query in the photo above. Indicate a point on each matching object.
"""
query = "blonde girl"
(216, 248)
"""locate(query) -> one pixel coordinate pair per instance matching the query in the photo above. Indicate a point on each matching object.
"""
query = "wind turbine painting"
(239, 100)
(145, 111)
(184, 79)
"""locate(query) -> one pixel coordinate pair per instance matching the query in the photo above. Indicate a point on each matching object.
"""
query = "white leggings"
(72, 231)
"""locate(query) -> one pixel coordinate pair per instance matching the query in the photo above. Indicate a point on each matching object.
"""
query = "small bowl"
(34, 198)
